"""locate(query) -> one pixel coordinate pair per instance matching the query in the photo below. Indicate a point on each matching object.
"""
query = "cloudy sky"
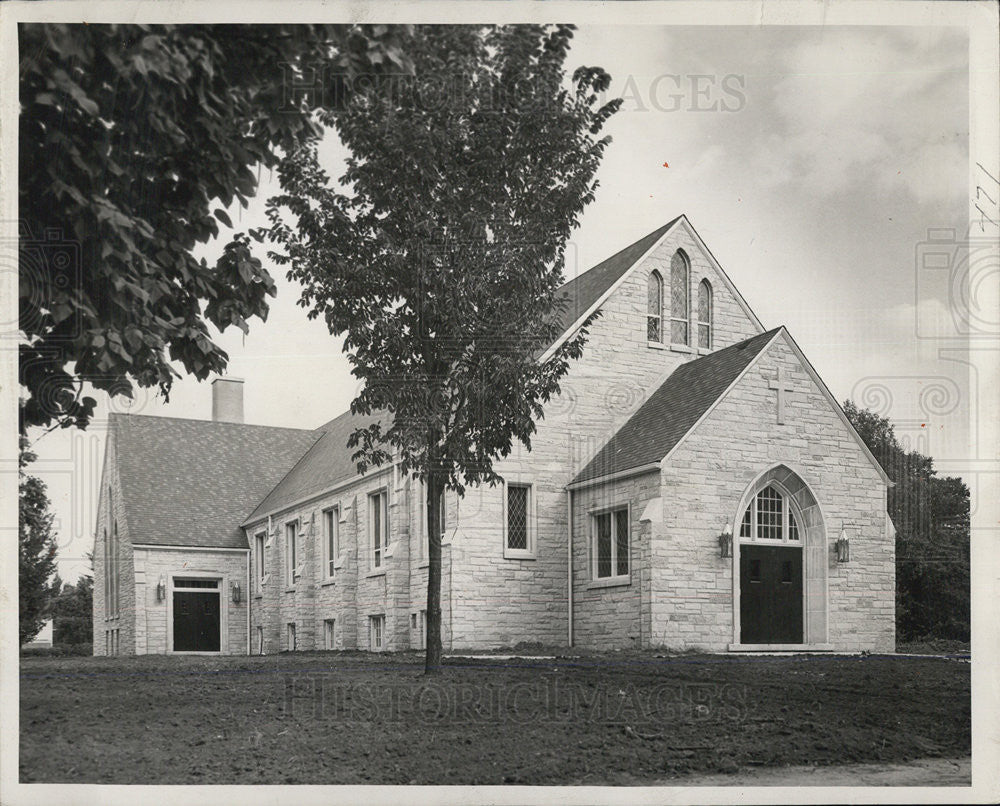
(813, 161)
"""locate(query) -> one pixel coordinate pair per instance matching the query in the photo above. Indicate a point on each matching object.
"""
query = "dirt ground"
(355, 718)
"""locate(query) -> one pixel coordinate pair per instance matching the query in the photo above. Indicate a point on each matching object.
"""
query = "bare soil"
(357, 718)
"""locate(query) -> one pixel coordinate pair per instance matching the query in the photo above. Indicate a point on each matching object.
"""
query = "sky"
(820, 165)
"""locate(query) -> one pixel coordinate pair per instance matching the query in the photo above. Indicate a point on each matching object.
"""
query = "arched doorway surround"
(800, 513)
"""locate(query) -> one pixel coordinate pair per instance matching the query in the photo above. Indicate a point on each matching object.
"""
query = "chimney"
(227, 400)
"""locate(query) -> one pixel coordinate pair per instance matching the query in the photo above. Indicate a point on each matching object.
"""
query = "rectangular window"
(259, 541)
(260, 640)
(442, 515)
(291, 636)
(331, 541)
(107, 642)
(195, 583)
(518, 523)
(291, 552)
(610, 549)
(107, 581)
(378, 523)
(329, 634)
(376, 630)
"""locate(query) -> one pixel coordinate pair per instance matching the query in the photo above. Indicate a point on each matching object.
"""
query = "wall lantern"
(726, 541)
(236, 593)
(843, 547)
(161, 589)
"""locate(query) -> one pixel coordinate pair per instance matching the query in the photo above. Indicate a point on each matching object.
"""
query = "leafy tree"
(36, 551)
(931, 515)
(441, 259)
(132, 139)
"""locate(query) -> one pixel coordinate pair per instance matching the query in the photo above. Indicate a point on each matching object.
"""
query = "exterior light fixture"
(237, 594)
(161, 589)
(726, 541)
(843, 547)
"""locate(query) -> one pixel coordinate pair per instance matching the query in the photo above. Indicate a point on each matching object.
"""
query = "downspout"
(249, 596)
(569, 563)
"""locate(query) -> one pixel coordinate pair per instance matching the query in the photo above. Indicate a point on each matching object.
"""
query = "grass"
(356, 718)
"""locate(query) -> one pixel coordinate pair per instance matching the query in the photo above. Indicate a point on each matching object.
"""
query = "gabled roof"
(673, 409)
(191, 482)
(326, 464)
(586, 292)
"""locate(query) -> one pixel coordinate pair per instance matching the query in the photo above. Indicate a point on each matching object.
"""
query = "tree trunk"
(432, 663)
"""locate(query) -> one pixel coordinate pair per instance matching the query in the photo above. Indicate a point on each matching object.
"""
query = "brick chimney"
(227, 400)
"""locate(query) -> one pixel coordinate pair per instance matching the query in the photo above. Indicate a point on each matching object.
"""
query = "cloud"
(857, 104)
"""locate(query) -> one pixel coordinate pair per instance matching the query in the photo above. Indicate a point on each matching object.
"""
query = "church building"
(694, 486)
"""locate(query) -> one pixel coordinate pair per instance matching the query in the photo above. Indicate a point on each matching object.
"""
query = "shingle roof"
(324, 465)
(191, 482)
(673, 409)
(585, 289)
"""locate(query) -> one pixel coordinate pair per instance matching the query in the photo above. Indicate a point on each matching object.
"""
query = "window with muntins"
(518, 505)
(680, 298)
(259, 541)
(291, 551)
(610, 549)
(705, 315)
(378, 518)
(770, 517)
(654, 307)
(376, 630)
(331, 541)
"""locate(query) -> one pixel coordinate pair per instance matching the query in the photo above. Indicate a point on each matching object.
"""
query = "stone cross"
(780, 385)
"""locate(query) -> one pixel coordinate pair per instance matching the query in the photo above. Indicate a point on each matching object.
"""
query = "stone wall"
(613, 614)
(152, 617)
(511, 600)
(111, 510)
(357, 591)
(705, 479)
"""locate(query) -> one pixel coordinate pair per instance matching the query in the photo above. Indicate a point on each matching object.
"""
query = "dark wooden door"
(770, 594)
(196, 621)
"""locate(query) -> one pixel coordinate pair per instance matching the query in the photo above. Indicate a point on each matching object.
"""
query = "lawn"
(354, 718)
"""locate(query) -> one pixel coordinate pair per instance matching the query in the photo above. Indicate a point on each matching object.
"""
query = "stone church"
(694, 486)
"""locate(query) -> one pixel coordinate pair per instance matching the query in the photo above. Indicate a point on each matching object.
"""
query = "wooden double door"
(770, 594)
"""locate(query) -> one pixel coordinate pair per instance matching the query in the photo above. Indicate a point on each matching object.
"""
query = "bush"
(58, 650)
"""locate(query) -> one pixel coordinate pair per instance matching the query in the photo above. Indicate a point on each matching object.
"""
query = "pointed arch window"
(770, 518)
(705, 315)
(680, 298)
(654, 307)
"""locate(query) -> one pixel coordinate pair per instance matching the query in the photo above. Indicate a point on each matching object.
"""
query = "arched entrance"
(779, 563)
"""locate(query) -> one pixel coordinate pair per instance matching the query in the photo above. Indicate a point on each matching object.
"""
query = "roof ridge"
(612, 256)
(117, 415)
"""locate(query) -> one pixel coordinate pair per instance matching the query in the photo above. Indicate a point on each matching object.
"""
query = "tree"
(72, 613)
(442, 259)
(931, 515)
(36, 550)
(132, 140)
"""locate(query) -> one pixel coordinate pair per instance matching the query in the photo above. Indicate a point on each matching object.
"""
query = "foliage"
(132, 140)
(73, 613)
(36, 551)
(441, 259)
(84, 649)
(931, 516)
